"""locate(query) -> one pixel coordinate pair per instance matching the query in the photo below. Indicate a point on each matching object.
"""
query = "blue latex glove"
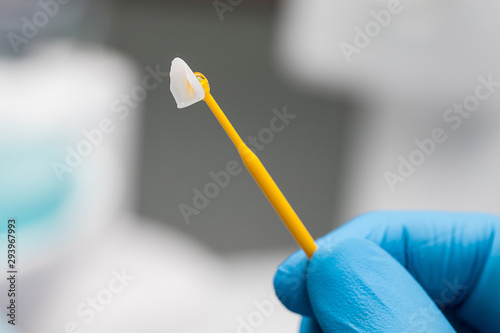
(399, 272)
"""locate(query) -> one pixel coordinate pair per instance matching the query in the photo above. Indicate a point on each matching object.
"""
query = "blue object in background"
(29, 189)
(395, 271)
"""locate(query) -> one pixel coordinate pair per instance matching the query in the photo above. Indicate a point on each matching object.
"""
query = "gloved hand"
(395, 271)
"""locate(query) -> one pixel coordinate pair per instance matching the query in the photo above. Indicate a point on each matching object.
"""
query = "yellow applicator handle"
(261, 176)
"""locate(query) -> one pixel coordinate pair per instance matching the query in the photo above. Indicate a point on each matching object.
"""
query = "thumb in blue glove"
(393, 271)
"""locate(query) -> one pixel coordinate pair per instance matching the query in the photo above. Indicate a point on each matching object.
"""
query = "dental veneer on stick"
(188, 88)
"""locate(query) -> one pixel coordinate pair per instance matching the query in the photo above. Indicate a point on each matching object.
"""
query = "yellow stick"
(262, 177)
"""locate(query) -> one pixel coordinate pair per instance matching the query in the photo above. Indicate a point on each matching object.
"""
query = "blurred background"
(108, 180)
(180, 147)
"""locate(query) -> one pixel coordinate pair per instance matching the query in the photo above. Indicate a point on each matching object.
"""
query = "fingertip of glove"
(346, 247)
(334, 264)
(290, 284)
